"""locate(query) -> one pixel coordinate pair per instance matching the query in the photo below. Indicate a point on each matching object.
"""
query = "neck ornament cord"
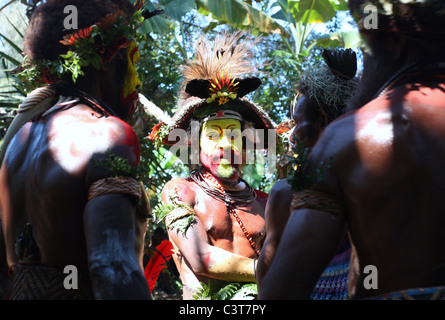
(97, 105)
(414, 72)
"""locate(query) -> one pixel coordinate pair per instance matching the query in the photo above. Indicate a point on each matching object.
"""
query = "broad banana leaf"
(240, 15)
(311, 11)
(173, 9)
(157, 24)
(176, 9)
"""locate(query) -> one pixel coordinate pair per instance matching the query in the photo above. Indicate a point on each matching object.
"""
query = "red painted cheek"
(128, 103)
(207, 162)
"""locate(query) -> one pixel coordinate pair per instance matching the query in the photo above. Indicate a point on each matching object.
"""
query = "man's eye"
(212, 136)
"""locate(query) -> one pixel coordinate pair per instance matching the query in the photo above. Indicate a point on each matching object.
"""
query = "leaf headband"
(92, 46)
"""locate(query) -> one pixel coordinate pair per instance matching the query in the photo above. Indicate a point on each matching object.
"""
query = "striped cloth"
(333, 283)
(431, 293)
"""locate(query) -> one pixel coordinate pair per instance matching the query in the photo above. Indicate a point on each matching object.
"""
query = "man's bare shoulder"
(335, 139)
(181, 188)
(344, 133)
(88, 133)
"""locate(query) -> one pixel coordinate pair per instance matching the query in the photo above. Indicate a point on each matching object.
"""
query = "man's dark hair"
(46, 28)
(413, 32)
(416, 18)
(329, 87)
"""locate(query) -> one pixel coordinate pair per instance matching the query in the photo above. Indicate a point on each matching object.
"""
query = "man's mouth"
(224, 159)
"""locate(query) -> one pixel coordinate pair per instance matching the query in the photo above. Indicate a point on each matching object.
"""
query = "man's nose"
(224, 143)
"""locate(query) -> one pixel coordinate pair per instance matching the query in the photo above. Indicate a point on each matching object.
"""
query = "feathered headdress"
(215, 80)
(218, 69)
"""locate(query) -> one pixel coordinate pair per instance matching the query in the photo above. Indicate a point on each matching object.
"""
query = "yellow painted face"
(222, 133)
(131, 81)
(221, 146)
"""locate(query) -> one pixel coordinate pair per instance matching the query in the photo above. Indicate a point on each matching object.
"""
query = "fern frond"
(226, 292)
(246, 292)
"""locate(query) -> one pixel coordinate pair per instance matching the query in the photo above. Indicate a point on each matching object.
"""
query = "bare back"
(388, 168)
(46, 180)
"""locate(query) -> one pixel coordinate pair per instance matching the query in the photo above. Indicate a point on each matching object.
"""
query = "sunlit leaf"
(155, 24)
(176, 9)
(340, 5)
(311, 11)
(347, 39)
(240, 15)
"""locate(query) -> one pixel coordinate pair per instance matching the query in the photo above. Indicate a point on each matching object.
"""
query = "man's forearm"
(224, 265)
(110, 236)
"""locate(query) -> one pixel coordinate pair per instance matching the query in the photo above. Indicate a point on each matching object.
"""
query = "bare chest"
(234, 230)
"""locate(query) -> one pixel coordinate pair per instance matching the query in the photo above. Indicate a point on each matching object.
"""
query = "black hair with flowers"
(46, 28)
(104, 28)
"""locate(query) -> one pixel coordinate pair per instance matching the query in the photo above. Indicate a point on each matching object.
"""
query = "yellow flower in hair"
(222, 88)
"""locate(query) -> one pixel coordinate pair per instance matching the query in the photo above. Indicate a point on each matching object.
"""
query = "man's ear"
(119, 61)
(115, 69)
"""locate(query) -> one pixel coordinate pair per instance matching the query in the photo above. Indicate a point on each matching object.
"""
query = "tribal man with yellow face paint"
(217, 222)
(62, 200)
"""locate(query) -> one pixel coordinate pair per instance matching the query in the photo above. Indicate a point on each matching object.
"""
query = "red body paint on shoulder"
(206, 264)
(261, 194)
(131, 140)
(262, 197)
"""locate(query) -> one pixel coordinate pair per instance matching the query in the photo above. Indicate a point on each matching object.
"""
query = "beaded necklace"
(231, 199)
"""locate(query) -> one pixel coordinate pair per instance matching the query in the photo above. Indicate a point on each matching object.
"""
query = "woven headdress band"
(222, 114)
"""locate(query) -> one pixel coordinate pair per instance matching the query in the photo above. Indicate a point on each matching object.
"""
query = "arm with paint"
(201, 257)
(112, 224)
(210, 261)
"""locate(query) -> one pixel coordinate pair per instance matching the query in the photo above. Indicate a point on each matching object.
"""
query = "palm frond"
(11, 43)
(10, 58)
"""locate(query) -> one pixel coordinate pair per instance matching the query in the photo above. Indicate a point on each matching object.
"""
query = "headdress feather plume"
(230, 55)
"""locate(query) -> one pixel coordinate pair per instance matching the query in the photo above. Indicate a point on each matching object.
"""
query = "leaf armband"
(175, 216)
(184, 213)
